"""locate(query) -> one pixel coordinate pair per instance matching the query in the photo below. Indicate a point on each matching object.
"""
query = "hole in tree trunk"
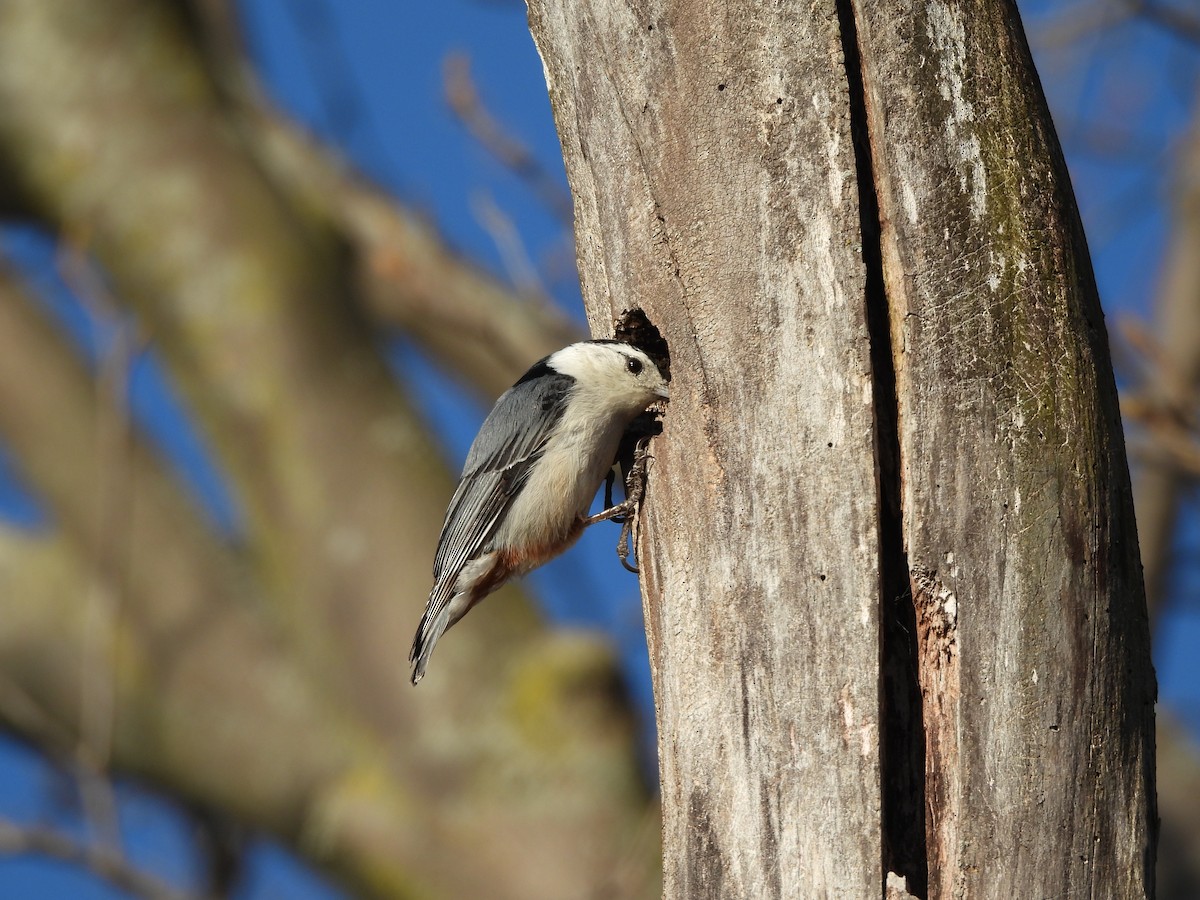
(634, 327)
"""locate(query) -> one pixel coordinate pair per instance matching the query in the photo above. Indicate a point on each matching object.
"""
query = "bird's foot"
(627, 512)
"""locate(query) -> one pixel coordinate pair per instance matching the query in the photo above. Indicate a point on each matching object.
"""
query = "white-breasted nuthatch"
(531, 475)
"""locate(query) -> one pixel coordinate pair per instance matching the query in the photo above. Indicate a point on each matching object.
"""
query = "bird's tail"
(430, 630)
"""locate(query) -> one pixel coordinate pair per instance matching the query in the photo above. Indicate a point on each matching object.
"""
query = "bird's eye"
(634, 366)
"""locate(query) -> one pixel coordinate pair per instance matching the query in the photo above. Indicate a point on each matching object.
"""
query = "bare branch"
(113, 444)
(408, 277)
(1079, 21)
(463, 99)
(509, 244)
(1170, 19)
(1166, 393)
(1179, 843)
(218, 714)
(101, 861)
(1082, 20)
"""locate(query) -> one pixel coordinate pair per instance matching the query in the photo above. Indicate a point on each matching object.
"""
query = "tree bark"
(891, 580)
(1033, 641)
(710, 154)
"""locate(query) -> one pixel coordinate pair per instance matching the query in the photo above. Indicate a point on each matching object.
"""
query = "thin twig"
(1073, 24)
(1165, 391)
(104, 863)
(1173, 21)
(464, 102)
(102, 607)
(499, 226)
(24, 713)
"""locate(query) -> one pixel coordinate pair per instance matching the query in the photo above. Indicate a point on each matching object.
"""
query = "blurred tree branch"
(408, 278)
(1082, 19)
(463, 98)
(266, 680)
(1173, 20)
(1163, 406)
(215, 717)
(112, 867)
(1164, 399)
(1179, 840)
(207, 701)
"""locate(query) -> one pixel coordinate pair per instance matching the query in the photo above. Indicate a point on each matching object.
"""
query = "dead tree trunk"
(890, 572)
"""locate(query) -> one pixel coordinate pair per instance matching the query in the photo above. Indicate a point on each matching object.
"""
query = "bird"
(531, 475)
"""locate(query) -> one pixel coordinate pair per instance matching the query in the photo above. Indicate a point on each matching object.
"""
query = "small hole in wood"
(720, 87)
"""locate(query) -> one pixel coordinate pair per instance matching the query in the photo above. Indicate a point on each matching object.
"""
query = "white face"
(620, 371)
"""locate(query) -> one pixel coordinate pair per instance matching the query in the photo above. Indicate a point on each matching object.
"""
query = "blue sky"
(367, 75)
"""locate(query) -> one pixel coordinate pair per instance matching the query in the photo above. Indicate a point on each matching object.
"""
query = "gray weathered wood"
(708, 146)
(718, 187)
(1018, 521)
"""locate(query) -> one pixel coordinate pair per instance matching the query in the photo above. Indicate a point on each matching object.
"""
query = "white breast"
(563, 482)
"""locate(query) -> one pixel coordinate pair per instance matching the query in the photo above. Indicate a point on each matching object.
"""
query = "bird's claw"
(616, 513)
(627, 513)
(626, 543)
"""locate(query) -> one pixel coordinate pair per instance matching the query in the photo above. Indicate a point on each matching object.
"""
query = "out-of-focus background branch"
(206, 596)
(261, 674)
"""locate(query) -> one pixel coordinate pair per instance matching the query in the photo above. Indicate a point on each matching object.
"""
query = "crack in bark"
(902, 735)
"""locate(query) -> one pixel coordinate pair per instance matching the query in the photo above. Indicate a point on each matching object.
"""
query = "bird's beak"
(664, 392)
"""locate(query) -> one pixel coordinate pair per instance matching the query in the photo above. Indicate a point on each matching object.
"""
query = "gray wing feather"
(519, 423)
(511, 440)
